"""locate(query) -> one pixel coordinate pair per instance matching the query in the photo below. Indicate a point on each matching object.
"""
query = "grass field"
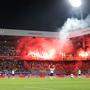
(45, 84)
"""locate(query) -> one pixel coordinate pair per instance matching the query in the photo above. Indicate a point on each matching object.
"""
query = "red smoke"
(32, 48)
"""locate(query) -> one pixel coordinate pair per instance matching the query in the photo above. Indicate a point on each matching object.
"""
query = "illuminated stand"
(41, 38)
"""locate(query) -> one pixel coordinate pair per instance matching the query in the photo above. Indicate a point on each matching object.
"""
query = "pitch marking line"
(38, 88)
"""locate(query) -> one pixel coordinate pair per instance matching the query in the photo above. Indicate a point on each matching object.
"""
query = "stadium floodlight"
(75, 3)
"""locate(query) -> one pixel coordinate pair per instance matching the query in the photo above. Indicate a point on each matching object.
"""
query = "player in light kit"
(72, 76)
(13, 74)
(52, 70)
(79, 73)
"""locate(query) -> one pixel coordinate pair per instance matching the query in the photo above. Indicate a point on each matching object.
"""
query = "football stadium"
(35, 60)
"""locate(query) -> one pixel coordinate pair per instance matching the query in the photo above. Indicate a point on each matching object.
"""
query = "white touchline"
(38, 88)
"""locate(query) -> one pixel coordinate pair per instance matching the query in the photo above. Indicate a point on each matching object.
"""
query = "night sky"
(42, 15)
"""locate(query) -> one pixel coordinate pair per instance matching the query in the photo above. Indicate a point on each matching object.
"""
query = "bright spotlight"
(75, 3)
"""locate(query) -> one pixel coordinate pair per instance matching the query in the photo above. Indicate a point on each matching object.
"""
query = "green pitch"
(45, 84)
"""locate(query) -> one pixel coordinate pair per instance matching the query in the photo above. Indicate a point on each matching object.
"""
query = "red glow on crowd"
(83, 54)
(43, 48)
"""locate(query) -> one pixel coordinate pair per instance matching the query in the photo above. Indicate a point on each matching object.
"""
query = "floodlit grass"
(45, 84)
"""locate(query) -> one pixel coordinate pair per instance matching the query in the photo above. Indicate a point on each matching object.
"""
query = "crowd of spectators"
(37, 68)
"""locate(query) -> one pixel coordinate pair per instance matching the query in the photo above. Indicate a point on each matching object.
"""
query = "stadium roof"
(13, 32)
